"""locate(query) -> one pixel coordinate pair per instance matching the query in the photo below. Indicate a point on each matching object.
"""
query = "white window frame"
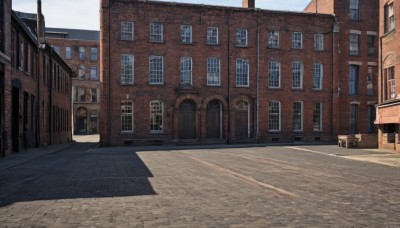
(274, 68)
(273, 39)
(156, 32)
(127, 28)
(68, 52)
(94, 53)
(93, 72)
(318, 75)
(82, 72)
(354, 44)
(298, 114)
(156, 111)
(354, 10)
(212, 36)
(391, 19)
(297, 75)
(186, 69)
(213, 71)
(186, 34)
(317, 127)
(272, 115)
(156, 70)
(391, 81)
(242, 72)
(319, 42)
(82, 53)
(297, 40)
(127, 69)
(241, 37)
(127, 111)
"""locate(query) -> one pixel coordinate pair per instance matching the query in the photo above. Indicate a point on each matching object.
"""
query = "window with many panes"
(354, 118)
(81, 72)
(319, 42)
(156, 32)
(186, 34)
(317, 116)
(93, 73)
(273, 39)
(93, 54)
(68, 52)
(126, 116)
(297, 75)
(371, 45)
(213, 72)
(370, 81)
(318, 70)
(126, 30)
(353, 80)
(82, 54)
(389, 18)
(242, 72)
(354, 10)
(354, 44)
(241, 37)
(297, 116)
(156, 65)
(127, 69)
(391, 82)
(297, 40)
(212, 35)
(186, 71)
(156, 116)
(274, 74)
(274, 116)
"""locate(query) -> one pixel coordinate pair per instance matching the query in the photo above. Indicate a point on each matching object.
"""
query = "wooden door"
(213, 120)
(187, 119)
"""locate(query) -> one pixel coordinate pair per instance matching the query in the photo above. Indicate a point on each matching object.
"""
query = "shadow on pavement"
(76, 173)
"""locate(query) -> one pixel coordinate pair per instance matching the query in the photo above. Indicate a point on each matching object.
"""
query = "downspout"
(109, 125)
(333, 77)
(229, 78)
(258, 79)
(38, 98)
(50, 86)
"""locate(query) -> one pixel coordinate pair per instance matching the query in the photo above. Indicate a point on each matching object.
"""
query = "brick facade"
(258, 111)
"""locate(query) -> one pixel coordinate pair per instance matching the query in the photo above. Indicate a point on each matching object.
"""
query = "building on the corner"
(388, 109)
(80, 49)
(186, 73)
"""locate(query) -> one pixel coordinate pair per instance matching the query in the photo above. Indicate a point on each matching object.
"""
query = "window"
(242, 72)
(57, 49)
(317, 116)
(186, 71)
(371, 118)
(156, 32)
(273, 39)
(2, 26)
(297, 74)
(354, 10)
(126, 30)
(354, 44)
(127, 75)
(241, 37)
(156, 70)
(213, 72)
(371, 45)
(186, 34)
(297, 116)
(353, 118)
(274, 69)
(82, 54)
(297, 40)
(389, 20)
(93, 73)
(156, 116)
(318, 70)
(370, 81)
(127, 116)
(81, 94)
(212, 35)
(81, 72)
(68, 52)
(93, 54)
(94, 95)
(353, 80)
(274, 117)
(391, 82)
(319, 42)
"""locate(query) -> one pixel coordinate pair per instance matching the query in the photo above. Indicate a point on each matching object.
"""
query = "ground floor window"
(156, 116)
(274, 117)
(126, 116)
(317, 116)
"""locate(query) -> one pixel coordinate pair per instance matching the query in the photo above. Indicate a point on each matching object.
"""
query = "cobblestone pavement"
(286, 186)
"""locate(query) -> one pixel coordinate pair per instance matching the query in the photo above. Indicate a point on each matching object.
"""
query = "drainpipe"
(229, 77)
(38, 97)
(258, 79)
(109, 77)
(333, 76)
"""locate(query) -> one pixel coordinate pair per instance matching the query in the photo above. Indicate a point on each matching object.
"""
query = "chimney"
(250, 4)
(40, 23)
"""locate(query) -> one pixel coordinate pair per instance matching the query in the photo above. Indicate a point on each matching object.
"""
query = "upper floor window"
(389, 18)
(391, 82)
(212, 35)
(156, 32)
(186, 71)
(371, 45)
(354, 44)
(297, 74)
(370, 80)
(68, 52)
(318, 70)
(57, 49)
(353, 80)
(213, 71)
(94, 95)
(297, 40)
(273, 39)
(241, 37)
(93, 73)
(156, 116)
(93, 54)
(156, 70)
(126, 116)
(274, 116)
(127, 69)
(274, 74)
(242, 72)
(81, 72)
(319, 42)
(82, 54)
(126, 30)
(186, 34)
(354, 10)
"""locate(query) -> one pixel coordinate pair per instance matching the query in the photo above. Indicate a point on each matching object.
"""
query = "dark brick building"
(388, 118)
(186, 73)
(35, 86)
(80, 49)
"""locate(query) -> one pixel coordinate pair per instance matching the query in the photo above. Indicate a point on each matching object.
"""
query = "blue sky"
(67, 14)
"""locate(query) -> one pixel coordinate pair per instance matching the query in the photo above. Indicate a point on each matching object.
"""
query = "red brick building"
(186, 73)
(80, 49)
(35, 87)
(388, 113)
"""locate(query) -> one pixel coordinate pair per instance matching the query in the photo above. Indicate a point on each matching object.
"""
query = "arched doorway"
(242, 129)
(187, 120)
(81, 119)
(213, 120)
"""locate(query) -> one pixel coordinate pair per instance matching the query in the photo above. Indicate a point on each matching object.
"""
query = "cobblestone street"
(274, 186)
